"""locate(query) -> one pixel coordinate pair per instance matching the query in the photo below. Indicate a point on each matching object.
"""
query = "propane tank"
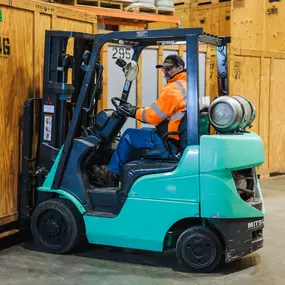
(231, 114)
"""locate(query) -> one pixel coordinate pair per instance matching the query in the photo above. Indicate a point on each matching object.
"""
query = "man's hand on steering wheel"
(129, 109)
(125, 108)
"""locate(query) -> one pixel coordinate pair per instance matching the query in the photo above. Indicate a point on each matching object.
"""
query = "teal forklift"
(204, 201)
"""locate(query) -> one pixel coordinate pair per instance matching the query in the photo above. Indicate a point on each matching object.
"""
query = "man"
(166, 114)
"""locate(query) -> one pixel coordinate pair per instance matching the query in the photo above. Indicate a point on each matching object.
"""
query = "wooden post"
(139, 90)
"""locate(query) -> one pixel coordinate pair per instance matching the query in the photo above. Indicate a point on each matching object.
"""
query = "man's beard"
(167, 76)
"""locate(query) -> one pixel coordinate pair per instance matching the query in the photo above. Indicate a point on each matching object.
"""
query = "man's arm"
(161, 109)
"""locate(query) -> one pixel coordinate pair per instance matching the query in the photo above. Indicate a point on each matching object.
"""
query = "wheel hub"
(53, 228)
(199, 251)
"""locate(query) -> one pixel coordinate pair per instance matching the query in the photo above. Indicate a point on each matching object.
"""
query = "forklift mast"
(60, 93)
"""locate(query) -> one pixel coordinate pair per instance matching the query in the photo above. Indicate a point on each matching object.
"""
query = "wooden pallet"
(158, 11)
(101, 4)
(116, 4)
(141, 9)
(198, 3)
(168, 12)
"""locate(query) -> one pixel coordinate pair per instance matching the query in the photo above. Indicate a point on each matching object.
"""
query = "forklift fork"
(32, 111)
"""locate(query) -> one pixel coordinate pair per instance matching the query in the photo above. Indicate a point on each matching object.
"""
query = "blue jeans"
(130, 146)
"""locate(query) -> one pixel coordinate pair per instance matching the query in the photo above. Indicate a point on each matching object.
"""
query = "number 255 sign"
(121, 52)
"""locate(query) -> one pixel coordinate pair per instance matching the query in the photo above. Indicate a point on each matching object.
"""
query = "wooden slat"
(8, 233)
(258, 53)
(42, 22)
(224, 28)
(5, 2)
(12, 217)
(245, 81)
(63, 11)
(139, 90)
(277, 116)
(159, 73)
(264, 103)
(104, 60)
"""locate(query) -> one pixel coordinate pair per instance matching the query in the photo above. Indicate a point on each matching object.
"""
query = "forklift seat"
(138, 168)
(170, 144)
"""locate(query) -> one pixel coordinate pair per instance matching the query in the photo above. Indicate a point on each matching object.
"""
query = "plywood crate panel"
(22, 31)
(259, 77)
(214, 19)
(258, 25)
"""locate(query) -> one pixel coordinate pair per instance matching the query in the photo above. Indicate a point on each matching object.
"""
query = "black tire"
(199, 249)
(57, 226)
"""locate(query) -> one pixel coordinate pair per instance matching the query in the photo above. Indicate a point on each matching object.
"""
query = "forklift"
(203, 201)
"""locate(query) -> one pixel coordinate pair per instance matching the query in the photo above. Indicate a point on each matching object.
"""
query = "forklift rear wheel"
(56, 225)
(199, 249)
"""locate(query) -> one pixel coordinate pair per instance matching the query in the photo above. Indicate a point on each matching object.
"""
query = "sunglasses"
(168, 68)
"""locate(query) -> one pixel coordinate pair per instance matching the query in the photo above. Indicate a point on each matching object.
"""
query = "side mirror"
(131, 70)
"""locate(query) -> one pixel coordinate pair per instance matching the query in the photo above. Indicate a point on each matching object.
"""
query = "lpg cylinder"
(231, 113)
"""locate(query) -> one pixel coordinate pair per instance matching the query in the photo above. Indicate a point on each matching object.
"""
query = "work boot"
(104, 176)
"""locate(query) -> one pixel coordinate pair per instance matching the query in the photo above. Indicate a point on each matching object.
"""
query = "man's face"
(171, 71)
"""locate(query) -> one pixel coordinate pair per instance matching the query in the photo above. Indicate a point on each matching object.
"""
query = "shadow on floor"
(149, 259)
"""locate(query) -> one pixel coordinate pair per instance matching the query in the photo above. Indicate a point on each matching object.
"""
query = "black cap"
(172, 60)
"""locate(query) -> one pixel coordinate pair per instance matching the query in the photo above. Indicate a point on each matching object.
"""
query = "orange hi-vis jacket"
(170, 106)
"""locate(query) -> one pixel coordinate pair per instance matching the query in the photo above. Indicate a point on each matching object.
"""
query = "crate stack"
(257, 71)
(214, 16)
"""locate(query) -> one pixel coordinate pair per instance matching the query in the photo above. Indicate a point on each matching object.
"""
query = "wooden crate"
(214, 19)
(259, 76)
(21, 63)
(258, 25)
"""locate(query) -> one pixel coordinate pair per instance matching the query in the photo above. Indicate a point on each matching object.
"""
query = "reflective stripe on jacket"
(169, 106)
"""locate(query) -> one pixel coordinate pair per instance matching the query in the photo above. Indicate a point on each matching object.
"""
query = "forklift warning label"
(49, 109)
(47, 127)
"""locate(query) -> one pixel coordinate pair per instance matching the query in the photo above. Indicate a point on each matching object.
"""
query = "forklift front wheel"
(56, 225)
(199, 249)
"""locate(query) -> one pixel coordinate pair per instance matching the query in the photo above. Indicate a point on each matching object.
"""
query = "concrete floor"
(22, 264)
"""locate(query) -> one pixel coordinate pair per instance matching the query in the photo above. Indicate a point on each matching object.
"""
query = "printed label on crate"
(5, 48)
(272, 11)
(47, 127)
(238, 3)
(1, 17)
(49, 109)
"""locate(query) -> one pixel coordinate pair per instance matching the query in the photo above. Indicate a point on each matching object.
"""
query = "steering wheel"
(122, 109)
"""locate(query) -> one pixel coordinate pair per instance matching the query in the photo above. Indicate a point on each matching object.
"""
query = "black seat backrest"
(183, 128)
(204, 128)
